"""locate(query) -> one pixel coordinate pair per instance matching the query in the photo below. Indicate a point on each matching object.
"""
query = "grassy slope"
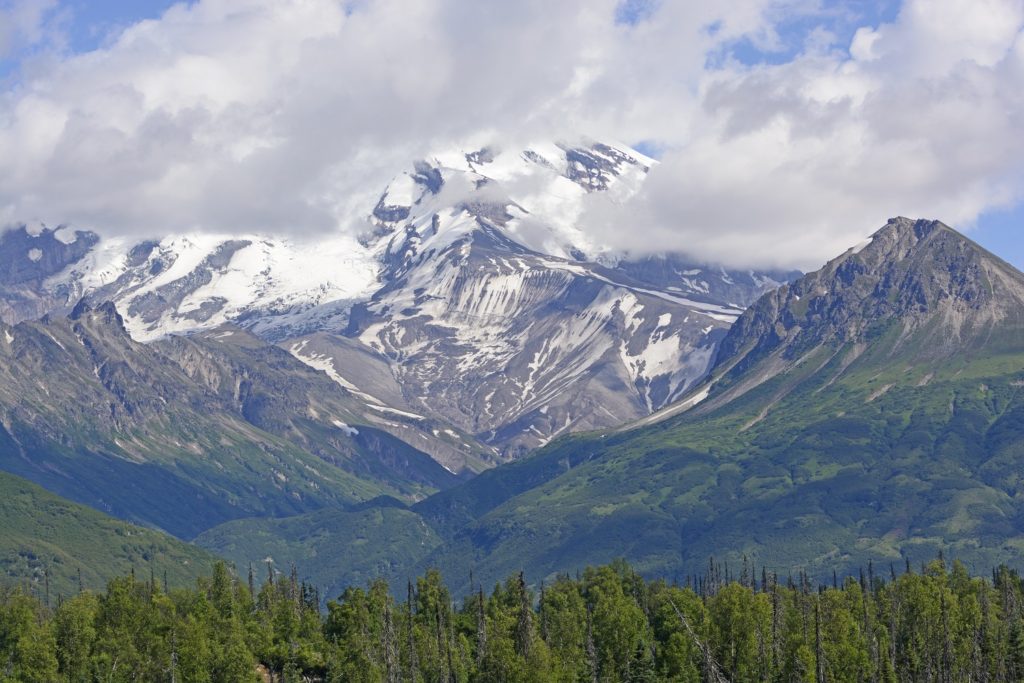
(40, 530)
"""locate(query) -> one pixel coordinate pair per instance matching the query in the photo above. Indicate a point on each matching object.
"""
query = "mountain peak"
(916, 285)
(919, 228)
(104, 313)
(901, 237)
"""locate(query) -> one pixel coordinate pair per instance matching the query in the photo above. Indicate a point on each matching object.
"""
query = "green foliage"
(336, 548)
(51, 544)
(607, 625)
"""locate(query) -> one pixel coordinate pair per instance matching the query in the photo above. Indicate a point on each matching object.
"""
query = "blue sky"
(83, 25)
(693, 108)
(1002, 232)
(91, 21)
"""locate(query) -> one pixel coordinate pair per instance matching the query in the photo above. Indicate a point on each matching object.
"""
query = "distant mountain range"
(870, 411)
(473, 299)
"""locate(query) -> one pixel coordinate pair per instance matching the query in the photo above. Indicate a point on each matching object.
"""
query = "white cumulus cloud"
(291, 115)
(789, 164)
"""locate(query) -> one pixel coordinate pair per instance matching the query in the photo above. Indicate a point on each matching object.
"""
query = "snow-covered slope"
(491, 316)
(473, 294)
(189, 282)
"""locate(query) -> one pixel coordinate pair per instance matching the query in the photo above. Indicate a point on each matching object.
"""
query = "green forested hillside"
(826, 480)
(46, 539)
(335, 548)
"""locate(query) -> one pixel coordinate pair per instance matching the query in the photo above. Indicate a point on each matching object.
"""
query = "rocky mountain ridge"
(186, 432)
(474, 283)
(919, 285)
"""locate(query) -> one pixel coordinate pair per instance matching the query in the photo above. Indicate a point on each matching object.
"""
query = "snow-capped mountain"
(472, 294)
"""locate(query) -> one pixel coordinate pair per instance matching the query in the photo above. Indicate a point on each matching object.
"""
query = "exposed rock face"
(29, 255)
(476, 287)
(186, 433)
(917, 290)
(517, 347)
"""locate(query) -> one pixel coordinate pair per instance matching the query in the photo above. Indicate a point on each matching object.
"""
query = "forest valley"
(934, 623)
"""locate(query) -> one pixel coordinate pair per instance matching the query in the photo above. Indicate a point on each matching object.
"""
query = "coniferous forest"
(933, 623)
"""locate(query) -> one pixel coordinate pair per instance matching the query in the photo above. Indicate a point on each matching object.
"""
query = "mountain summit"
(922, 273)
(473, 296)
(917, 292)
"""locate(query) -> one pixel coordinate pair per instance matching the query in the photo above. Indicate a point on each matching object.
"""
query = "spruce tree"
(524, 619)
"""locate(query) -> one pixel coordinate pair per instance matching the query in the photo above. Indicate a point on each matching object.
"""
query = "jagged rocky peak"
(920, 275)
(104, 313)
(33, 252)
(596, 165)
(536, 191)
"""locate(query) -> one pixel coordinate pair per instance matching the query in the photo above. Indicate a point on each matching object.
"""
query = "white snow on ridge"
(402, 191)
(268, 275)
(281, 278)
(714, 311)
(351, 431)
(65, 234)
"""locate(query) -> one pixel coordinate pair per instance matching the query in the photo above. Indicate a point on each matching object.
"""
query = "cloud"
(291, 115)
(789, 164)
(24, 24)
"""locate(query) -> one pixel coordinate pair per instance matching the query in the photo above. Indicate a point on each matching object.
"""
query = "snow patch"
(351, 431)
(403, 191)
(66, 234)
(394, 411)
(57, 342)
(697, 398)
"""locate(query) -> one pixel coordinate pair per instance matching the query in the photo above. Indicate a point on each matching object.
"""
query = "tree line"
(606, 624)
